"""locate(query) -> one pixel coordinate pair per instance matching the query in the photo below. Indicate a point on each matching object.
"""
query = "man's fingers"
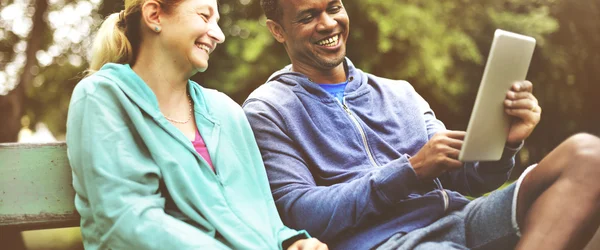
(512, 95)
(523, 113)
(522, 86)
(454, 143)
(453, 164)
(453, 153)
(455, 134)
(520, 104)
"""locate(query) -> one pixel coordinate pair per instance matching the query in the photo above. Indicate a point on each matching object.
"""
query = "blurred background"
(439, 46)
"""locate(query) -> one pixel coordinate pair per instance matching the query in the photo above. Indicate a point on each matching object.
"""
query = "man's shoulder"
(272, 92)
(388, 82)
(394, 86)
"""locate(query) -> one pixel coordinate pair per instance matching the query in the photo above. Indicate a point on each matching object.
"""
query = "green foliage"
(432, 43)
(439, 46)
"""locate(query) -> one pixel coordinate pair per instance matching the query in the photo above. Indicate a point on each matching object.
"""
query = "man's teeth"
(203, 47)
(329, 42)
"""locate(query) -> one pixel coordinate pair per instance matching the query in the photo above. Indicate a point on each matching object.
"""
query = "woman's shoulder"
(218, 104)
(215, 98)
(105, 77)
(101, 85)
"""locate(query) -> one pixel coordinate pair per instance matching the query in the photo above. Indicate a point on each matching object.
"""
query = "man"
(361, 161)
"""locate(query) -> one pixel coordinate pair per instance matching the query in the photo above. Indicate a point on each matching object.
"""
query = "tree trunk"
(12, 105)
(11, 110)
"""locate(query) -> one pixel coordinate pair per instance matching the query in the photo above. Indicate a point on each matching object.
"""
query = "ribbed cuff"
(511, 151)
(397, 180)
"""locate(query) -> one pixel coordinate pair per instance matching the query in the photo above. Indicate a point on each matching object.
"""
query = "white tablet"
(507, 63)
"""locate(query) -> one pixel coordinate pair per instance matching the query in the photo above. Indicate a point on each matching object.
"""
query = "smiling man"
(362, 162)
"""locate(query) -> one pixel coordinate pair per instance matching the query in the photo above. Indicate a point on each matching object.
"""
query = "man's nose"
(326, 22)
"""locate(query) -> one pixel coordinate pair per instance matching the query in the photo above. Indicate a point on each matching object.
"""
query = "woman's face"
(190, 33)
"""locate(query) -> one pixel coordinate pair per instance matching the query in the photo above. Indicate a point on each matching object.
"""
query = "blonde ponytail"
(111, 45)
(118, 39)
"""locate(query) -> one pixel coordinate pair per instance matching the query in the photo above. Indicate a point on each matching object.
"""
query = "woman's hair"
(119, 36)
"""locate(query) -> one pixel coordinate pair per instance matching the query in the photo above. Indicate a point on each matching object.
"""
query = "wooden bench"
(36, 190)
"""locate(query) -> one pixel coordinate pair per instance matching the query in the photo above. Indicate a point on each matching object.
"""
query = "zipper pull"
(218, 177)
(345, 106)
(346, 109)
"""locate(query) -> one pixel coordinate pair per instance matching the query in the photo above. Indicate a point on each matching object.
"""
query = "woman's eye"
(205, 17)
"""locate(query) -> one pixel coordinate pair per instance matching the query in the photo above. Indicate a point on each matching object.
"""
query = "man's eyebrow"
(333, 1)
(313, 10)
(306, 11)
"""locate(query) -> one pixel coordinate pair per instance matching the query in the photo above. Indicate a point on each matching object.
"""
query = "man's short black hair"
(272, 9)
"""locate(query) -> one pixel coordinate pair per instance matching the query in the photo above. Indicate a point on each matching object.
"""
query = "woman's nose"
(215, 33)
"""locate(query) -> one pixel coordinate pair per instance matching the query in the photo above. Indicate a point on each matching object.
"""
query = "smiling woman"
(119, 39)
(155, 164)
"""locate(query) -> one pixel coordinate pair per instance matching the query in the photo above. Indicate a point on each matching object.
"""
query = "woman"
(158, 161)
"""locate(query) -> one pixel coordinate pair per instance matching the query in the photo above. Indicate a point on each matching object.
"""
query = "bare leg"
(559, 201)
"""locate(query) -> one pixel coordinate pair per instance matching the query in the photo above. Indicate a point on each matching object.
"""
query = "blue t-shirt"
(336, 89)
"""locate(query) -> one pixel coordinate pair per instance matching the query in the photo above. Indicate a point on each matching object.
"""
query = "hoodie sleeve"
(475, 178)
(117, 184)
(324, 211)
(285, 235)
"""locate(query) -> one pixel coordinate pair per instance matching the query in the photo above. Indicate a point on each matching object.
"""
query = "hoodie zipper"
(360, 130)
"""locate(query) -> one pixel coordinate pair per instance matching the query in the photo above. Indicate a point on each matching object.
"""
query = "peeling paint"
(41, 220)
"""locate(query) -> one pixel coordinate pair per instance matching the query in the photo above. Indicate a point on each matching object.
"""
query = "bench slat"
(36, 186)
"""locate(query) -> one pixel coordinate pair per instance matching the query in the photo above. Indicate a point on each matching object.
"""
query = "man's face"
(314, 32)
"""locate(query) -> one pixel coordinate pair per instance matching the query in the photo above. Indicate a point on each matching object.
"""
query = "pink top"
(200, 147)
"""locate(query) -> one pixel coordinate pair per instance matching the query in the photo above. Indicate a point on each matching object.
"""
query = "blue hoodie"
(340, 169)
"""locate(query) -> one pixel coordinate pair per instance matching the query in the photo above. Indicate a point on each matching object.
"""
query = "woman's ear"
(276, 30)
(151, 12)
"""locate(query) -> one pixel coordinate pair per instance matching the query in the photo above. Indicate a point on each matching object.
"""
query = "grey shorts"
(485, 223)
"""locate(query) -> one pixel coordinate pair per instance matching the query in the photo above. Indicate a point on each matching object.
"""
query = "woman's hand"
(308, 244)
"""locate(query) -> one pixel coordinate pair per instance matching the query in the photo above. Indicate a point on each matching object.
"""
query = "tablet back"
(488, 127)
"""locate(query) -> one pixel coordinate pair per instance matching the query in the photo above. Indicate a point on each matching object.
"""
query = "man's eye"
(335, 9)
(306, 19)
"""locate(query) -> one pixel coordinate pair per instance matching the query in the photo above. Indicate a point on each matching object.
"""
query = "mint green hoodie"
(141, 185)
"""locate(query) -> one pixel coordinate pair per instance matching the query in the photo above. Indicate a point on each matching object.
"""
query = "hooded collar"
(140, 93)
(356, 82)
(142, 96)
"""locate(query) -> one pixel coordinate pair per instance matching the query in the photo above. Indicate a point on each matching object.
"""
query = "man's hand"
(439, 155)
(523, 107)
(308, 244)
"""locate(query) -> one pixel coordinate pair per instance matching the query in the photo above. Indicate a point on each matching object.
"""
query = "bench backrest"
(36, 188)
